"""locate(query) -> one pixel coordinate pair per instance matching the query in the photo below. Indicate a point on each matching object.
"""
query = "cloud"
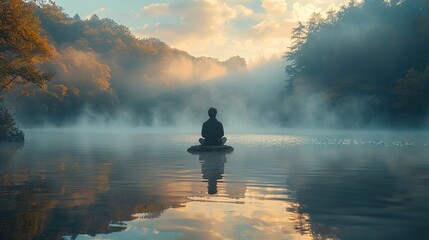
(197, 19)
(274, 7)
(200, 27)
(302, 12)
(221, 29)
(156, 9)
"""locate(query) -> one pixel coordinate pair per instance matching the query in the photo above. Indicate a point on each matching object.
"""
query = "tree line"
(374, 53)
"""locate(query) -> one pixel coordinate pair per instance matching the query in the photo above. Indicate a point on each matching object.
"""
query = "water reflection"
(7, 153)
(144, 187)
(212, 168)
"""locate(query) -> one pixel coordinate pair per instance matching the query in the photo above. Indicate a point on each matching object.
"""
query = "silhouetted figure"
(212, 168)
(212, 130)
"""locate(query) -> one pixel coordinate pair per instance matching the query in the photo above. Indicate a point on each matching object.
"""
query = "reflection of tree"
(7, 153)
(375, 188)
(212, 167)
(42, 207)
(75, 197)
(304, 225)
(20, 217)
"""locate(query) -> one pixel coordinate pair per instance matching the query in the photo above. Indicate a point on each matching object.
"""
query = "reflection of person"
(212, 131)
(212, 168)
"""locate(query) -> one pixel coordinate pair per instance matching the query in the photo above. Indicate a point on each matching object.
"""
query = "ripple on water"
(292, 140)
(273, 186)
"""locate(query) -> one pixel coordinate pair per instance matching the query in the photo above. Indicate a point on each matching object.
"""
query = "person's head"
(212, 112)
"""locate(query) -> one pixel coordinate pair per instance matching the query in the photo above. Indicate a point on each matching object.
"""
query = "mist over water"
(245, 99)
(110, 185)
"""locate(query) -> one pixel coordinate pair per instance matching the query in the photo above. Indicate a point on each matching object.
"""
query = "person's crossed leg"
(223, 141)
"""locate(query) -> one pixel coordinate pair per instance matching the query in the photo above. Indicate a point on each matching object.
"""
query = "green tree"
(357, 57)
(22, 47)
(8, 131)
(412, 93)
(299, 36)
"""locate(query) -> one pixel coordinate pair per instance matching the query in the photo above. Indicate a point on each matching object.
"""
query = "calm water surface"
(74, 185)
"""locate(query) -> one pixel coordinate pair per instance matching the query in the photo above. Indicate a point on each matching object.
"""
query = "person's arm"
(204, 130)
(221, 130)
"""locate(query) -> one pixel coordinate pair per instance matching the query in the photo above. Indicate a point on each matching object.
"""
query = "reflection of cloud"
(82, 195)
(221, 218)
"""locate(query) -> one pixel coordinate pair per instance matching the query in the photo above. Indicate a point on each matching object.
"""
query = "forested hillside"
(100, 67)
(369, 61)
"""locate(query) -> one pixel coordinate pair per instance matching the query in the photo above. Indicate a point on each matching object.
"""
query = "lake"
(145, 185)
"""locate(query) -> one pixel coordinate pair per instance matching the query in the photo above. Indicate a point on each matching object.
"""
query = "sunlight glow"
(255, 215)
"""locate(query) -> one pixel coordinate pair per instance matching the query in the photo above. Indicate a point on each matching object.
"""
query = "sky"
(253, 29)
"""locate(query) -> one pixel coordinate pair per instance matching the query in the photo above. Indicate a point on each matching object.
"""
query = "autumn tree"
(22, 47)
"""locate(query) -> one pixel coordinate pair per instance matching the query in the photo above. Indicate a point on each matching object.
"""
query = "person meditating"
(213, 140)
(212, 131)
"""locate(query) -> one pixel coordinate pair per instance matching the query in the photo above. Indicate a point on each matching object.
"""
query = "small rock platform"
(202, 149)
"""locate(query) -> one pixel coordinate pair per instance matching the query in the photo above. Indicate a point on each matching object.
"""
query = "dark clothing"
(212, 132)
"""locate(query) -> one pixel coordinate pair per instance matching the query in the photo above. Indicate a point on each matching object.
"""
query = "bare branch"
(5, 86)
